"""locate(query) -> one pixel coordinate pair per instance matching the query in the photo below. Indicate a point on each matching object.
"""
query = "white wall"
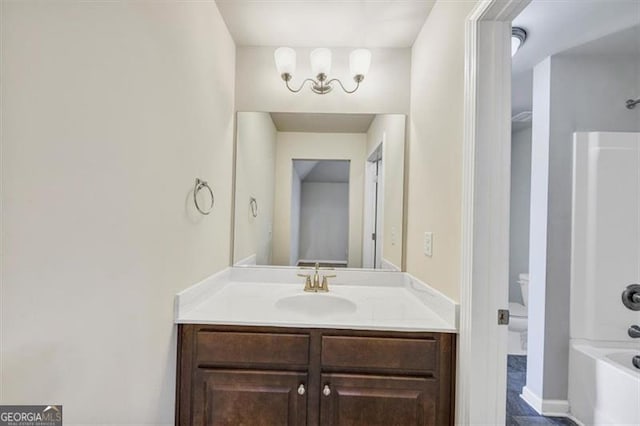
(296, 195)
(390, 128)
(436, 124)
(519, 214)
(110, 110)
(255, 177)
(318, 146)
(324, 221)
(384, 90)
(571, 93)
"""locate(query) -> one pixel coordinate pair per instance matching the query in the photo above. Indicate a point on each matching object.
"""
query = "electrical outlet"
(393, 235)
(428, 244)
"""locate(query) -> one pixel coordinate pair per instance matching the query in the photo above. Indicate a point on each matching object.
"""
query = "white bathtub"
(604, 386)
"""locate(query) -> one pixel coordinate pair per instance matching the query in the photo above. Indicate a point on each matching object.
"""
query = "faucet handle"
(324, 287)
(307, 282)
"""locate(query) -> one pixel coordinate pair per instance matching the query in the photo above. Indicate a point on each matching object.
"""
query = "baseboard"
(249, 260)
(389, 265)
(573, 418)
(336, 262)
(545, 407)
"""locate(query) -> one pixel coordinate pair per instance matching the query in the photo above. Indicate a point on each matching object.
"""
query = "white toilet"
(518, 318)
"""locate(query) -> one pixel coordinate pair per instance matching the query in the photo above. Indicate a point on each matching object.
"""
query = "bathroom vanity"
(378, 349)
(297, 376)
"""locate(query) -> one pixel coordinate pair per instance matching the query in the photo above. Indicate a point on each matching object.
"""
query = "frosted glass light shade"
(515, 45)
(285, 58)
(320, 61)
(359, 62)
(518, 37)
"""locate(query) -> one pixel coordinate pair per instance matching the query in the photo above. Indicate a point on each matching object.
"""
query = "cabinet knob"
(301, 389)
(326, 391)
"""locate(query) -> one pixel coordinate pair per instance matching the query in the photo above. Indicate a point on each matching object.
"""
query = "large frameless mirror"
(319, 188)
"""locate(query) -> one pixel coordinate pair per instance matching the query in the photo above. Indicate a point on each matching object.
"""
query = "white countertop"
(383, 301)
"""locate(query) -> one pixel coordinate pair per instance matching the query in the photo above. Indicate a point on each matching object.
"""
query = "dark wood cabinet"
(232, 375)
(251, 398)
(349, 400)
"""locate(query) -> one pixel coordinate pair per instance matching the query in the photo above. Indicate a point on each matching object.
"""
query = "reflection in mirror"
(320, 213)
(324, 188)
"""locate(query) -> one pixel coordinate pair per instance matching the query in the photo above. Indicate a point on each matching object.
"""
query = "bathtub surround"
(604, 386)
(110, 110)
(561, 106)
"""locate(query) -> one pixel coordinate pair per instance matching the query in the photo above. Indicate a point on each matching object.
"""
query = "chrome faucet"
(312, 281)
(634, 331)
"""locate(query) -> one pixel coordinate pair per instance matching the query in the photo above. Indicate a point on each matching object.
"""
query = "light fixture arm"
(357, 79)
(287, 78)
(321, 86)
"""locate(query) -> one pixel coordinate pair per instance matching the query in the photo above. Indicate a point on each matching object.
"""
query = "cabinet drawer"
(380, 353)
(235, 348)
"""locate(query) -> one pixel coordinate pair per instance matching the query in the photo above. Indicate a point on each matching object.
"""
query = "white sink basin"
(314, 304)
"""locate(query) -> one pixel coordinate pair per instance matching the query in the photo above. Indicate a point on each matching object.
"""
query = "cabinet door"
(377, 400)
(252, 398)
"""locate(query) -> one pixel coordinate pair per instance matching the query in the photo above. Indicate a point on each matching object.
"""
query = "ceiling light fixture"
(285, 57)
(518, 37)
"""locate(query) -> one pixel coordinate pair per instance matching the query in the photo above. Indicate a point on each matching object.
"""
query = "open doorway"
(562, 87)
(320, 213)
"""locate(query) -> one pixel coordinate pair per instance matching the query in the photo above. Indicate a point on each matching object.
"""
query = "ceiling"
(625, 42)
(555, 26)
(321, 123)
(579, 27)
(322, 170)
(328, 23)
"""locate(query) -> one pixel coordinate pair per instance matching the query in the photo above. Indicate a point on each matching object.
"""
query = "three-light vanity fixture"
(285, 57)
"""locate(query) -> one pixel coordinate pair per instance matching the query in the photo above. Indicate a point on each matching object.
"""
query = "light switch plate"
(428, 244)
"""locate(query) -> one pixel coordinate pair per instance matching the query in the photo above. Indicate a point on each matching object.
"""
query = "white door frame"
(372, 209)
(482, 343)
(367, 223)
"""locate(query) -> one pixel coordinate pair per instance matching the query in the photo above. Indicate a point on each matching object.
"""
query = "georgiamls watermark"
(30, 415)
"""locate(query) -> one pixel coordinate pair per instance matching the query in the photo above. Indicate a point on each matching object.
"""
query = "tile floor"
(519, 413)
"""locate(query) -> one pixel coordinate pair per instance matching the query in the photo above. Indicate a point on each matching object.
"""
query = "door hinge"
(503, 316)
(373, 236)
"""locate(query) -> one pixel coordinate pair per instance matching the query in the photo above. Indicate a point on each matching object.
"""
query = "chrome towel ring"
(199, 185)
(253, 205)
